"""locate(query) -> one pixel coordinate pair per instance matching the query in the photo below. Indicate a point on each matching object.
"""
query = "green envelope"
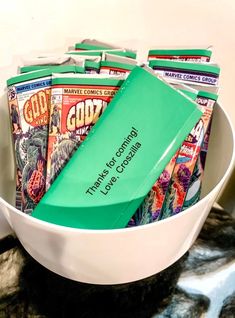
(110, 174)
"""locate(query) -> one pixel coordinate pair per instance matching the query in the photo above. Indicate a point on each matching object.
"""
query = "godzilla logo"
(85, 113)
(36, 108)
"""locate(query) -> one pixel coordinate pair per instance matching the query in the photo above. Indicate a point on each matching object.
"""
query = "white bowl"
(126, 255)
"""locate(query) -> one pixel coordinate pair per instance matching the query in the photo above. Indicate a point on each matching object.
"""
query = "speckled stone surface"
(215, 245)
(27, 289)
(228, 309)
(183, 304)
(30, 290)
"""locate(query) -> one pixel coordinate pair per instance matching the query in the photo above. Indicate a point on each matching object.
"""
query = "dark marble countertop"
(200, 284)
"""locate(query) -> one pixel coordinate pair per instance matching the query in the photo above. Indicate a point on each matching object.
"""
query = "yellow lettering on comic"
(35, 109)
(71, 119)
(35, 106)
(28, 114)
(80, 115)
(99, 107)
(89, 112)
(42, 102)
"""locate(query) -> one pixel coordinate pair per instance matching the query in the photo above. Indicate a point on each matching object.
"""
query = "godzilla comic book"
(28, 105)
(75, 108)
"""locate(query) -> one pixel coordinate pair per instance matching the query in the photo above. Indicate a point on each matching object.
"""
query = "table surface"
(200, 284)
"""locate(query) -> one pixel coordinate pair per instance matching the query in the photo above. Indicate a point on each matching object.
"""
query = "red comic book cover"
(29, 104)
(75, 108)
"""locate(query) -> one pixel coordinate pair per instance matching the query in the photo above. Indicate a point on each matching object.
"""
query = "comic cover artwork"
(185, 164)
(74, 111)
(150, 209)
(194, 191)
(28, 108)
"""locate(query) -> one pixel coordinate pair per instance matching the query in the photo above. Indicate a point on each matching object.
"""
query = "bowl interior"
(111, 257)
(221, 150)
(220, 154)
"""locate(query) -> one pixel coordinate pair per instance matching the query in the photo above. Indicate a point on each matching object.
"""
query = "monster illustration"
(184, 175)
(143, 214)
(160, 189)
(64, 148)
(30, 159)
(146, 208)
(177, 190)
(168, 203)
(150, 209)
(194, 190)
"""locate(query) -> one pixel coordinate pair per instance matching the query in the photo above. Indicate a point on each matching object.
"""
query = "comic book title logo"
(187, 150)
(202, 101)
(196, 133)
(85, 113)
(35, 109)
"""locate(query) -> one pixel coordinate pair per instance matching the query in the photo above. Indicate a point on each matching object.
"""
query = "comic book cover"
(185, 164)
(194, 191)
(28, 107)
(150, 209)
(75, 108)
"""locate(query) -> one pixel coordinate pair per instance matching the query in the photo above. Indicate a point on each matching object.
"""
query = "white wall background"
(28, 26)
